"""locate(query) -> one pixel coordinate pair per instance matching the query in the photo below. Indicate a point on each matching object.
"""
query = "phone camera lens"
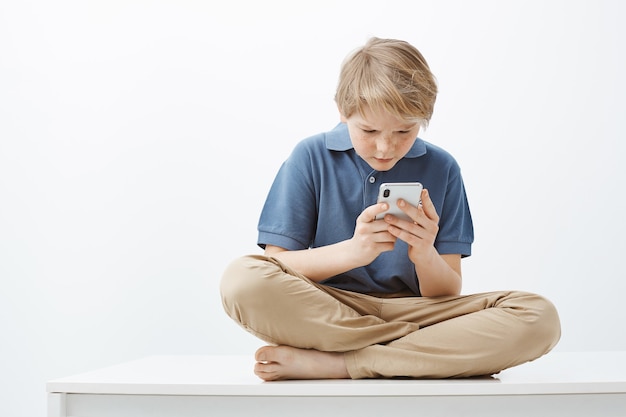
(386, 192)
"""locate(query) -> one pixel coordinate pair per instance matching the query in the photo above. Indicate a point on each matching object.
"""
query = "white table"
(559, 384)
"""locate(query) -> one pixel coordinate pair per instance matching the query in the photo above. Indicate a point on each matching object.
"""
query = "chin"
(378, 166)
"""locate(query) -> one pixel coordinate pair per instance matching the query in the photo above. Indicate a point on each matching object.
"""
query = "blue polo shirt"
(324, 186)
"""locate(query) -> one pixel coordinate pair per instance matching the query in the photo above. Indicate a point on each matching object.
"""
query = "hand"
(421, 233)
(371, 236)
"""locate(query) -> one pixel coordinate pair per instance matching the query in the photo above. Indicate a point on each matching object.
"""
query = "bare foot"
(285, 362)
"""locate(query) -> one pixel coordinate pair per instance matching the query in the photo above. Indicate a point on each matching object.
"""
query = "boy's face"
(381, 138)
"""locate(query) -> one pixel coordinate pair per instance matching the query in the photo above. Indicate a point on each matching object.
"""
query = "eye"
(369, 130)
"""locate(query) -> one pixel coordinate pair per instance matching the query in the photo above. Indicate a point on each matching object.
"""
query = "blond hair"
(387, 74)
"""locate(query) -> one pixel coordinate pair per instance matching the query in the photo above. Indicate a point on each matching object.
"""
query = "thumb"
(370, 213)
(428, 206)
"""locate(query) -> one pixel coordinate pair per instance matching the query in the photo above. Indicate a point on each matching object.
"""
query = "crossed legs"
(315, 331)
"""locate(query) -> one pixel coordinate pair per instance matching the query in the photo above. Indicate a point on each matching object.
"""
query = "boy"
(340, 294)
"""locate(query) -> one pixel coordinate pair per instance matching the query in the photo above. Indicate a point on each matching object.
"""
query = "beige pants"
(420, 337)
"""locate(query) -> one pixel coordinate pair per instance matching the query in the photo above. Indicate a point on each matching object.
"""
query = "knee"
(242, 284)
(546, 324)
(552, 323)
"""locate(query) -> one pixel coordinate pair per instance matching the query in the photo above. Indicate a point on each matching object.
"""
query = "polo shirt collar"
(338, 139)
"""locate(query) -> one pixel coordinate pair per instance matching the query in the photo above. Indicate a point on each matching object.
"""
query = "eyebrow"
(367, 126)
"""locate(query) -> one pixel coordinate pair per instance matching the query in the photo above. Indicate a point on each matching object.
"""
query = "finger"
(428, 207)
(370, 213)
(408, 209)
(411, 239)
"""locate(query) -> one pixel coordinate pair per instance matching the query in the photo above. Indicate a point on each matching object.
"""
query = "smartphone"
(389, 193)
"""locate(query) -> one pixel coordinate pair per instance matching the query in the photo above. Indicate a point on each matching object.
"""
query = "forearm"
(317, 264)
(439, 275)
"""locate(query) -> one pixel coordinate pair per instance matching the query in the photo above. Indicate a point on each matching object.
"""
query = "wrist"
(353, 255)
(425, 257)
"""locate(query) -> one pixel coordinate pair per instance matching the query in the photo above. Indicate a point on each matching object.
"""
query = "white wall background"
(138, 140)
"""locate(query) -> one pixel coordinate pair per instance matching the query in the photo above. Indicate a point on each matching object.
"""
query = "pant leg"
(282, 307)
(461, 336)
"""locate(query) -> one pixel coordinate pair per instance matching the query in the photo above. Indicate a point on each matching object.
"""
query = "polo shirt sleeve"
(456, 230)
(289, 214)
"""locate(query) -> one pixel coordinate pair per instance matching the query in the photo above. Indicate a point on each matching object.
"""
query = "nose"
(383, 144)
